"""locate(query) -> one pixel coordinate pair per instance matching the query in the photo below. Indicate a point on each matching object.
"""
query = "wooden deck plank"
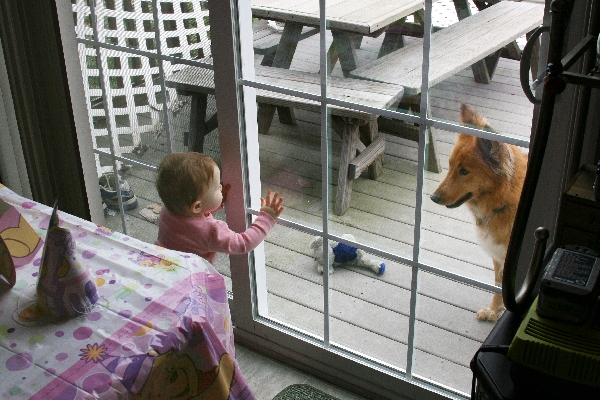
(389, 207)
(364, 294)
(389, 345)
(298, 315)
(283, 237)
(454, 48)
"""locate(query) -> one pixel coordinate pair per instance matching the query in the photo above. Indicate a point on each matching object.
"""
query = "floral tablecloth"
(161, 326)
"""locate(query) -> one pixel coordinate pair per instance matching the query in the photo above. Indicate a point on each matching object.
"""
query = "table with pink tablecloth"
(160, 327)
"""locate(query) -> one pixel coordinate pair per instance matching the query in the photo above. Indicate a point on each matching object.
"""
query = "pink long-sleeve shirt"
(207, 236)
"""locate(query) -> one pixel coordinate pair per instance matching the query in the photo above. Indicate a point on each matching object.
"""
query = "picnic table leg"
(282, 59)
(432, 159)
(197, 122)
(368, 133)
(393, 39)
(349, 132)
(357, 40)
(483, 70)
(268, 58)
(462, 9)
(535, 56)
(342, 48)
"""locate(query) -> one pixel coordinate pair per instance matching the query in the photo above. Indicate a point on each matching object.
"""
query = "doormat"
(303, 392)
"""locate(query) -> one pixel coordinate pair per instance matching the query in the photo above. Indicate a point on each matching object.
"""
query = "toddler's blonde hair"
(183, 178)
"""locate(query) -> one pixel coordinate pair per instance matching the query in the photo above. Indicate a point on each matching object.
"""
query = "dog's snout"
(435, 198)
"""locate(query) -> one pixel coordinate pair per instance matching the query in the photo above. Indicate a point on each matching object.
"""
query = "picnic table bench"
(362, 147)
(479, 38)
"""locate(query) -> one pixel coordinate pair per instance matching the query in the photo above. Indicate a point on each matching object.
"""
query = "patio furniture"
(351, 125)
(348, 21)
(266, 39)
(453, 49)
(456, 47)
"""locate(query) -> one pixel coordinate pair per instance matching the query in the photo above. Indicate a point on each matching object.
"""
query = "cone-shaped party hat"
(65, 287)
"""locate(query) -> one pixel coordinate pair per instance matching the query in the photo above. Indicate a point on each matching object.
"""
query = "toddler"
(189, 185)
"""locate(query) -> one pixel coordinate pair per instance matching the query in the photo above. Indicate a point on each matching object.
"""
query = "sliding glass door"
(358, 110)
(351, 110)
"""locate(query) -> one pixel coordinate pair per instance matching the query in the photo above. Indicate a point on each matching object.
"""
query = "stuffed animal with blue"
(343, 254)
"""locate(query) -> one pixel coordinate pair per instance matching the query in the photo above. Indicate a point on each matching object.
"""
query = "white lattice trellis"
(133, 90)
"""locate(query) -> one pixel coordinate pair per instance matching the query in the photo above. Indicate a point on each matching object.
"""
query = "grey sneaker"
(108, 192)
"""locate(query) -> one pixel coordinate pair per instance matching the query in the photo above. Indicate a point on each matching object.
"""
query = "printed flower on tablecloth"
(94, 353)
(149, 260)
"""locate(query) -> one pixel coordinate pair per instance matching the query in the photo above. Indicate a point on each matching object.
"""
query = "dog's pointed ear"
(471, 117)
(495, 154)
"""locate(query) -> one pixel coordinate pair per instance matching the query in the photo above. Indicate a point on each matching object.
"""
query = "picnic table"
(348, 20)
(362, 147)
(494, 35)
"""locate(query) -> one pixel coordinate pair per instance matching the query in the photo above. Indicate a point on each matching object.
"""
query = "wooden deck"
(369, 313)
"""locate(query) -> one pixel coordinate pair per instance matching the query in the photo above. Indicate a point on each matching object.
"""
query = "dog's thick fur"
(488, 177)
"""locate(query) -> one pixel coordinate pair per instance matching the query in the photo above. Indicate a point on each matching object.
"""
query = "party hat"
(65, 287)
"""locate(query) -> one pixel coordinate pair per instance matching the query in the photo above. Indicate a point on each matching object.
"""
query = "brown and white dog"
(488, 177)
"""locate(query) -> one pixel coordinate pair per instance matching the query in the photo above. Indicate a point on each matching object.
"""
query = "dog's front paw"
(489, 314)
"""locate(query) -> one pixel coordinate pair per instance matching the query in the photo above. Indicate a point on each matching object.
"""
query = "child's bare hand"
(224, 190)
(272, 205)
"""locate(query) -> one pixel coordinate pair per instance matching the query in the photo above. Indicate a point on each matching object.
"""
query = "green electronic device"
(560, 334)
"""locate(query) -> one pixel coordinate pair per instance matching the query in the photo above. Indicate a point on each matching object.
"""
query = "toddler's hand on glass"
(224, 190)
(272, 205)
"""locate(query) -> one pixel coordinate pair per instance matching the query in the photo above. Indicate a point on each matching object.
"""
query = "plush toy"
(340, 253)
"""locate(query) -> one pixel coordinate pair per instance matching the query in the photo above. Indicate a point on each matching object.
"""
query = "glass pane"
(476, 52)
(290, 157)
(289, 127)
(294, 285)
(377, 203)
(447, 332)
(291, 163)
(372, 196)
(361, 300)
